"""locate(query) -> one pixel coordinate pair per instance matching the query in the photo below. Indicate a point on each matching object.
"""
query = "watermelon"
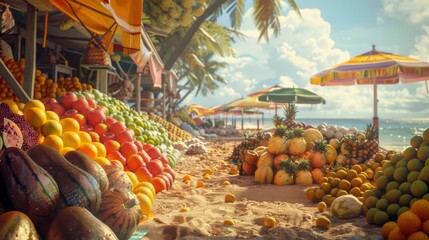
(12, 135)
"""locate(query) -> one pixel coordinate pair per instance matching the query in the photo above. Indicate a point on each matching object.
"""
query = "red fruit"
(68, 99)
(128, 148)
(91, 102)
(101, 128)
(56, 107)
(79, 118)
(170, 171)
(138, 144)
(116, 155)
(147, 146)
(125, 136)
(143, 174)
(95, 117)
(80, 104)
(109, 121)
(145, 156)
(159, 184)
(168, 179)
(164, 159)
(134, 162)
(86, 128)
(70, 112)
(155, 167)
(154, 152)
(106, 137)
(49, 101)
(117, 127)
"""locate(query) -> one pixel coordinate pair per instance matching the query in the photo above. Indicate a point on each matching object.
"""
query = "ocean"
(394, 134)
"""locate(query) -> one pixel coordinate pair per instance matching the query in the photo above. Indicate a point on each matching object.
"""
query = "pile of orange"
(412, 224)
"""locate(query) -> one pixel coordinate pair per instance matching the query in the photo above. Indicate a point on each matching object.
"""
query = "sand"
(295, 215)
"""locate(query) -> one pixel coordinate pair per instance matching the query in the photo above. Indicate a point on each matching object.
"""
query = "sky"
(328, 33)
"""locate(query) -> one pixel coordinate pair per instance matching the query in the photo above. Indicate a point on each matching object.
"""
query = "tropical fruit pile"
(175, 134)
(43, 87)
(166, 15)
(101, 136)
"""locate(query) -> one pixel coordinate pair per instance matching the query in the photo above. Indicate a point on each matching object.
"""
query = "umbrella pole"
(375, 118)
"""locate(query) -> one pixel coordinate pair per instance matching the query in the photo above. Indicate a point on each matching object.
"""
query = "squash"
(121, 211)
(266, 159)
(82, 161)
(303, 178)
(311, 135)
(264, 175)
(26, 187)
(346, 207)
(330, 154)
(118, 178)
(78, 223)
(248, 169)
(283, 178)
(317, 175)
(77, 187)
(17, 225)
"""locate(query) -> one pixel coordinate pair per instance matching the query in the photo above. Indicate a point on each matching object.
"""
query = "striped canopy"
(381, 67)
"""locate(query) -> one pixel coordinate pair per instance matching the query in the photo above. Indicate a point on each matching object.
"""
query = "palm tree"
(265, 14)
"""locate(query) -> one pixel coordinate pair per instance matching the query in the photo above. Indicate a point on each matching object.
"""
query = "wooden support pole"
(12, 83)
(30, 50)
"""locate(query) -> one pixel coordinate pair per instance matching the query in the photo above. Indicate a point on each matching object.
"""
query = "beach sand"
(295, 215)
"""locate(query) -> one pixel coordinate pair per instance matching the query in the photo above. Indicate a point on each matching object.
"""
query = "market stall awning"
(113, 19)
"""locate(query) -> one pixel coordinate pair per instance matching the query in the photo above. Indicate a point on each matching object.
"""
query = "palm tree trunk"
(191, 32)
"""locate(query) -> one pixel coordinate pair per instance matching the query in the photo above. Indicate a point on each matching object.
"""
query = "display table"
(55, 70)
(103, 74)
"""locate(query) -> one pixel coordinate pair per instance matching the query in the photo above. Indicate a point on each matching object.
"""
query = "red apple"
(79, 118)
(95, 117)
(86, 128)
(107, 136)
(56, 107)
(109, 121)
(80, 104)
(164, 159)
(138, 144)
(67, 99)
(125, 136)
(70, 112)
(100, 129)
(155, 167)
(117, 127)
(167, 178)
(147, 146)
(143, 154)
(49, 101)
(91, 102)
(170, 171)
(116, 155)
(153, 152)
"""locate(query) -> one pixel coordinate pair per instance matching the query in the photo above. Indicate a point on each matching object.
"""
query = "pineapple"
(371, 143)
(277, 120)
(290, 114)
(277, 144)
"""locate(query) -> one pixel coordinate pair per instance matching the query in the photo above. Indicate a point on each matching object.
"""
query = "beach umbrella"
(373, 68)
(200, 110)
(263, 91)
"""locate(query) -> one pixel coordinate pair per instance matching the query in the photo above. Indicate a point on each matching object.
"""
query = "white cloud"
(286, 81)
(229, 92)
(414, 10)
(421, 47)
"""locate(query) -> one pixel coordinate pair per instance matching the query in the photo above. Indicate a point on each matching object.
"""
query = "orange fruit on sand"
(187, 178)
(84, 137)
(387, 228)
(421, 209)
(71, 139)
(134, 162)
(70, 124)
(89, 150)
(51, 127)
(408, 223)
(102, 161)
(54, 141)
(35, 116)
(101, 149)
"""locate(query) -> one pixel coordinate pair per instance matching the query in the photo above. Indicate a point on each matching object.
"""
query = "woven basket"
(96, 55)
